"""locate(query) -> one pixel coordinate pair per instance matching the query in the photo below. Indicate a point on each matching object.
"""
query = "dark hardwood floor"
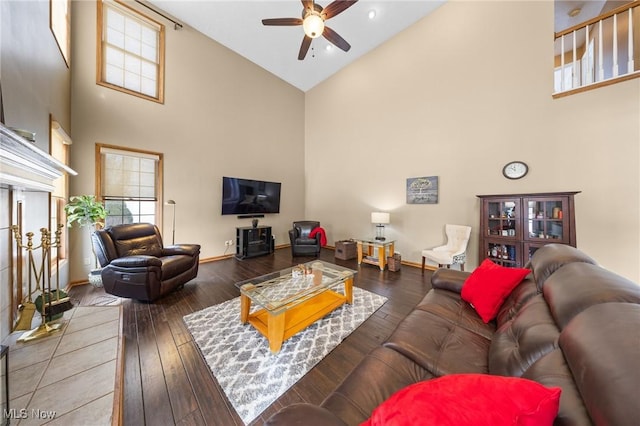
(168, 383)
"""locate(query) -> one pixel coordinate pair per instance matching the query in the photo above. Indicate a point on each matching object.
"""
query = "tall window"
(60, 23)
(130, 51)
(129, 184)
(59, 147)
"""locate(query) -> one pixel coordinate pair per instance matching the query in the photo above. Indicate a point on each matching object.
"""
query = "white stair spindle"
(574, 68)
(590, 59)
(588, 64)
(562, 88)
(615, 45)
(600, 53)
(630, 64)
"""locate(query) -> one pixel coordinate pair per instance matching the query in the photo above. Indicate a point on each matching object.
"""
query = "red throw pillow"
(489, 285)
(469, 400)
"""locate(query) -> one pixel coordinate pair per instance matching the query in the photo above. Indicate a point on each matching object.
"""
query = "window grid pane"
(129, 211)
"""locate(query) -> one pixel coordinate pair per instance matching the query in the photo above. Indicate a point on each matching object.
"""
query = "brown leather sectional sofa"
(570, 323)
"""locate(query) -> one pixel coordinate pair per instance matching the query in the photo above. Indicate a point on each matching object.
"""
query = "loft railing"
(601, 51)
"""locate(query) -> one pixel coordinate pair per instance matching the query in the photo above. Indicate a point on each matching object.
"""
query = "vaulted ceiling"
(238, 26)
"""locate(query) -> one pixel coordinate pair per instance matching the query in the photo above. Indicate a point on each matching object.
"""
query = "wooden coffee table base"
(279, 327)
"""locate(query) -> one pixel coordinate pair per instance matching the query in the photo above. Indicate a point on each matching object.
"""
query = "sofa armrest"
(185, 249)
(449, 279)
(304, 415)
(140, 261)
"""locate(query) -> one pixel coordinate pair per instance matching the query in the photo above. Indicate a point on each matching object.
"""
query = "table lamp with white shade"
(380, 219)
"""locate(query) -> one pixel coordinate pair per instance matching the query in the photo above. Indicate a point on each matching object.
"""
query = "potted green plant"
(86, 211)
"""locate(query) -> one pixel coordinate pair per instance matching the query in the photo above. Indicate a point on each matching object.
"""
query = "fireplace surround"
(27, 174)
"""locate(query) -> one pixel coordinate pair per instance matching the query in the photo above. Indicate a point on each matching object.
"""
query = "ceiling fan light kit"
(313, 23)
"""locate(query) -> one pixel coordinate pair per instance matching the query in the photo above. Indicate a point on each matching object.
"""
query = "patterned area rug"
(239, 356)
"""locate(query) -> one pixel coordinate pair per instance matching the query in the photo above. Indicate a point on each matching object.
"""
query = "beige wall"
(222, 116)
(458, 95)
(35, 83)
(446, 99)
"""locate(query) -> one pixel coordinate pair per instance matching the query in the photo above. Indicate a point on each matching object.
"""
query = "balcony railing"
(601, 51)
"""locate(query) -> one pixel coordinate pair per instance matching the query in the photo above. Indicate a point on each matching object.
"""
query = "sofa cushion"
(444, 347)
(602, 349)
(578, 286)
(527, 337)
(469, 399)
(449, 279)
(304, 414)
(489, 285)
(552, 370)
(381, 373)
(148, 245)
(449, 305)
(305, 241)
(546, 262)
(518, 297)
(175, 265)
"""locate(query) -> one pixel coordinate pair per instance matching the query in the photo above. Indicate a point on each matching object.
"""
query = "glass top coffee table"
(294, 298)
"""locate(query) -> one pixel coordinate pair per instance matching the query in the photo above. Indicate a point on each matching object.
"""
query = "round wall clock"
(515, 170)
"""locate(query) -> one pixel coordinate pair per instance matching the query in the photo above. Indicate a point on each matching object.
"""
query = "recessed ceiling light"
(328, 47)
(372, 14)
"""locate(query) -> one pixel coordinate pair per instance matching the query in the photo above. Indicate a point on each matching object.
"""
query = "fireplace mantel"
(25, 166)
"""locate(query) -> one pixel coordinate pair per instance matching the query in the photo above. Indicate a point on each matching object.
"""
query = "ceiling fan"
(312, 21)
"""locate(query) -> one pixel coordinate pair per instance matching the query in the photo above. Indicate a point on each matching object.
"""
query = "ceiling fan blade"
(335, 38)
(336, 7)
(306, 42)
(307, 4)
(282, 21)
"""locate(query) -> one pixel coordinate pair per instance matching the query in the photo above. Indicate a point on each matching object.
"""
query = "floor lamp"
(173, 223)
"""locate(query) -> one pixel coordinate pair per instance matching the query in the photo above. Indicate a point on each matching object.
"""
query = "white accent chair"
(454, 252)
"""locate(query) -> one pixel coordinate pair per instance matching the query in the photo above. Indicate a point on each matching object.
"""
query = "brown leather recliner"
(135, 264)
(301, 243)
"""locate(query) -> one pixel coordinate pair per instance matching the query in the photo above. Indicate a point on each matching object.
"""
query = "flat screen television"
(249, 197)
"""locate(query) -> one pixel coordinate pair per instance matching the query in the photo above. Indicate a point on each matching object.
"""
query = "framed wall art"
(422, 190)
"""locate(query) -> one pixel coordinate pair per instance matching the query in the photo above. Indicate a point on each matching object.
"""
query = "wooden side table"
(379, 246)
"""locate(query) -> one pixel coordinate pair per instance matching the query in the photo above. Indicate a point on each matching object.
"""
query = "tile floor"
(69, 377)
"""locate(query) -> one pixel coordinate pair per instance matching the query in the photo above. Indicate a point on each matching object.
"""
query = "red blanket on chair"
(323, 235)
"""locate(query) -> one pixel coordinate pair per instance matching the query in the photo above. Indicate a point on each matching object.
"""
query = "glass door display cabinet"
(513, 227)
(503, 227)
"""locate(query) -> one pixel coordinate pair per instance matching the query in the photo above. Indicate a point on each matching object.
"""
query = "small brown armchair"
(301, 243)
(135, 264)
